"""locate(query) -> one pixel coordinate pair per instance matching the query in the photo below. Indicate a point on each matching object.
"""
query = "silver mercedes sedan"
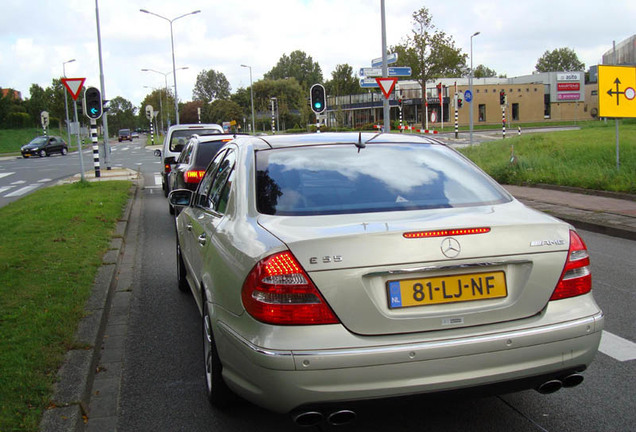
(331, 268)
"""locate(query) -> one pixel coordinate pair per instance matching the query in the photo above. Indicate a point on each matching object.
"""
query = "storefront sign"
(569, 76)
(569, 96)
(572, 86)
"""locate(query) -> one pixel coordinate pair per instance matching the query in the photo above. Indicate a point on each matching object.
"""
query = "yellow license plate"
(446, 289)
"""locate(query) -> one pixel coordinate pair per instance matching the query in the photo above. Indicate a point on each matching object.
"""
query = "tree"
(189, 111)
(297, 65)
(211, 85)
(559, 60)
(220, 111)
(290, 99)
(343, 82)
(429, 52)
(121, 114)
(482, 71)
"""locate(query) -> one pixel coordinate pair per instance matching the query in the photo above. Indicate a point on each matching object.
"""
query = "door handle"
(202, 239)
(189, 227)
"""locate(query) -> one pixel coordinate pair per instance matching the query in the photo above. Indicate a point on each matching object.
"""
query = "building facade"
(543, 97)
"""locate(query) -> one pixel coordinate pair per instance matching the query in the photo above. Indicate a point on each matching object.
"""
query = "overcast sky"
(38, 36)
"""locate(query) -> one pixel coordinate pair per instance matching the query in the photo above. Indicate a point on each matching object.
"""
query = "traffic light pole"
(95, 147)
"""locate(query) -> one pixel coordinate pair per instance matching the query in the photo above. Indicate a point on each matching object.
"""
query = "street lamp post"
(174, 69)
(251, 97)
(470, 79)
(165, 79)
(68, 124)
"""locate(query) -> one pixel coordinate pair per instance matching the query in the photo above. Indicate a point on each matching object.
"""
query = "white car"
(339, 267)
(175, 140)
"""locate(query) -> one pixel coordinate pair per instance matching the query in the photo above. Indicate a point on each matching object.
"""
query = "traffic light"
(460, 102)
(318, 98)
(93, 103)
(502, 97)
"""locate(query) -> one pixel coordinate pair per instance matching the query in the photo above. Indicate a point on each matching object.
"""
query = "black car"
(124, 134)
(189, 167)
(44, 146)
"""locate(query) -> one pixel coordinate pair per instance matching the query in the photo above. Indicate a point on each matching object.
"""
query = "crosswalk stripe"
(5, 174)
(617, 347)
(22, 191)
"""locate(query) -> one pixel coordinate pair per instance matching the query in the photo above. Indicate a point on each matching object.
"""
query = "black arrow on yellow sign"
(617, 92)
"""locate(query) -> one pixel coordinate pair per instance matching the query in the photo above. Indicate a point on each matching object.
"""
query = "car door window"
(220, 190)
(203, 192)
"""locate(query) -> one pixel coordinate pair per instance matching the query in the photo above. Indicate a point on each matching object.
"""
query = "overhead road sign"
(617, 91)
(74, 86)
(390, 59)
(386, 85)
(392, 71)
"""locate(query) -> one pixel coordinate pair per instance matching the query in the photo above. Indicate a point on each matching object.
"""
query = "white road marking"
(44, 180)
(158, 179)
(5, 188)
(23, 190)
(617, 347)
(19, 182)
(5, 174)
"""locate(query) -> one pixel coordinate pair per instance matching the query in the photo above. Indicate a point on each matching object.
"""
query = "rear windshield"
(180, 137)
(206, 152)
(339, 180)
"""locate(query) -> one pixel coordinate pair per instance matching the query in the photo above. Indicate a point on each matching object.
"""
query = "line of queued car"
(336, 267)
(44, 146)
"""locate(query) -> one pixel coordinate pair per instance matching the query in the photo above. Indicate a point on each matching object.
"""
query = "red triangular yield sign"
(387, 85)
(74, 86)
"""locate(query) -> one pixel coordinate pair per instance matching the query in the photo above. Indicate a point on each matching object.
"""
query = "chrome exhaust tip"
(308, 418)
(341, 417)
(572, 380)
(550, 386)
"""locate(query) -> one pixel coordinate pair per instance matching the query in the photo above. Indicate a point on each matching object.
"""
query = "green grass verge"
(583, 158)
(50, 250)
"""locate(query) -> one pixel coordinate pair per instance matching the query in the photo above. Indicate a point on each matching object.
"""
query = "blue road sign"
(368, 83)
(468, 96)
(390, 58)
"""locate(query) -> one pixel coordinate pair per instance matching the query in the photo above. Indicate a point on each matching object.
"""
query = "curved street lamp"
(68, 128)
(165, 78)
(251, 96)
(174, 69)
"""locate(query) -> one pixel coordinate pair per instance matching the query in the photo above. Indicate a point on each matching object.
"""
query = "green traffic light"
(318, 105)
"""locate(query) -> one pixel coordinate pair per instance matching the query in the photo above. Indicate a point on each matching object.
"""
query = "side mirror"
(158, 153)
(170, 160)
(180, 197)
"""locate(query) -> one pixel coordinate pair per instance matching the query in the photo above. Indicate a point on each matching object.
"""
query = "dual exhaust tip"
(345, 416)
(554, 385)
(314, 418)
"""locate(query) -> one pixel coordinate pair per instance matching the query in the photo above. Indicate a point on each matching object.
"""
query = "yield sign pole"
(386, 109)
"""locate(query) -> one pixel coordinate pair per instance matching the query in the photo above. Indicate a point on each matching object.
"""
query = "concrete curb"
(75, 378)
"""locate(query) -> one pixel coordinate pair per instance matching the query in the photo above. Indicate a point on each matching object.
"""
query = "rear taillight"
(193, 176)
(167, 168)
(576, 278)
(278, 291)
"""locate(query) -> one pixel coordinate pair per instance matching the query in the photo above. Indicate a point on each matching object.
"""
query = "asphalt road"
(163, 387)
(163, 384)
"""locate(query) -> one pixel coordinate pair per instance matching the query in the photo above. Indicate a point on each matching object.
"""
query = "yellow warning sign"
(617, 91)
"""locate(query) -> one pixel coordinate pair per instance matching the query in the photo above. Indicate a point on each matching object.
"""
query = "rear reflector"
(446, 233)
(278, 291)
(576, 278)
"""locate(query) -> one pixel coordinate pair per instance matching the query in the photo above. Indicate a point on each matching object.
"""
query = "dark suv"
(193, 160)
(124, 134)
(43, 146)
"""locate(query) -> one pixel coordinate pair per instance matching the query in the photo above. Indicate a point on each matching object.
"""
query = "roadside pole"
(95, 147)
(385, 73)
(79, 142)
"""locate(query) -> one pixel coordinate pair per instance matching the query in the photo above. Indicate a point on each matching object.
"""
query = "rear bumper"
(282, 380)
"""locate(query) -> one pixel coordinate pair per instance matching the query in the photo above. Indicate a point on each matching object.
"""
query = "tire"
(181, 272)
(43, 153)
(219, 394)
(64, 151)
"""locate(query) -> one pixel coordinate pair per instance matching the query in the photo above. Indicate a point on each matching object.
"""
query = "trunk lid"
(379, 282)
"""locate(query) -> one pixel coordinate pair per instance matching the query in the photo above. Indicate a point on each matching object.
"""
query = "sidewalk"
(611, 214)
